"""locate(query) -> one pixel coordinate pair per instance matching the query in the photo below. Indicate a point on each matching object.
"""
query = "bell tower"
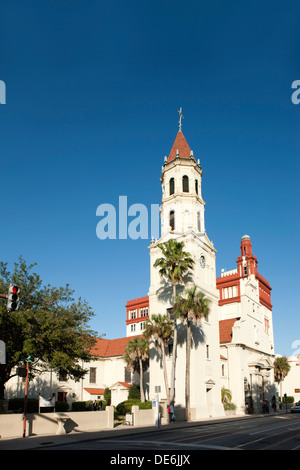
(182, 219)
(182, 208)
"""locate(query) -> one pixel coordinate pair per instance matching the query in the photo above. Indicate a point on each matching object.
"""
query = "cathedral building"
(234, 346)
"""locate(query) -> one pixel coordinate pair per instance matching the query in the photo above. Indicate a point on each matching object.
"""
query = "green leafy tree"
(49, 325)
(137, 358)
(161, 329)
(107, 394)
(190, 309)
(134, 393)
(174, 264)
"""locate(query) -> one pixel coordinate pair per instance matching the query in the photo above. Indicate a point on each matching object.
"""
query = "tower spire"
(179, 111)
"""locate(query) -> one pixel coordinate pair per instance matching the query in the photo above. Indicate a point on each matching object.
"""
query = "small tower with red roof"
(182, 208)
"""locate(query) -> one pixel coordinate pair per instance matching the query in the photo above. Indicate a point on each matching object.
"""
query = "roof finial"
(180, 117)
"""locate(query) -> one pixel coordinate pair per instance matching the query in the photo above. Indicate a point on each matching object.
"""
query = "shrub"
(287, 400)
(134, 393)
(17, 404)
(79, 406)
(229, 406)
(61, 406)
(125, 406)
(84, 405)
(107, 394)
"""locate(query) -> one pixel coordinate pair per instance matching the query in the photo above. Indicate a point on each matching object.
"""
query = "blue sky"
(92, 92)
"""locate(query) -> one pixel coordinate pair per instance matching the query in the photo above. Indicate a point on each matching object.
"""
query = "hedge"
(288, 400)
(125, 406)
(84, 405)
(17, 405)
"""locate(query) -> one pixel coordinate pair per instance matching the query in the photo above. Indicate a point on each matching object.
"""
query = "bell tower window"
(172, 186)
(185, 184)
(172, 220)
(196, 186)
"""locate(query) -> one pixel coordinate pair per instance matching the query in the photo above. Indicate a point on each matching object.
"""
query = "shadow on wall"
(69, 425)
(259, 396)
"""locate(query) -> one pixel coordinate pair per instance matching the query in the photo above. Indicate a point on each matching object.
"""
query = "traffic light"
(13, 298)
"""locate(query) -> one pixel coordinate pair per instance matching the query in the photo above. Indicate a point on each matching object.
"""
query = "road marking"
(165, 443)
(270, 429)
(265, 437)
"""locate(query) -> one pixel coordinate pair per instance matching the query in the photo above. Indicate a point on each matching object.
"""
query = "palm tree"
(190, 310)
(136, 356)
(226, 395)
(174, 264)
(160, 327)
(281, 369)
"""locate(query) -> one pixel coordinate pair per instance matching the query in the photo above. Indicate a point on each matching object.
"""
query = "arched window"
(196, 186)
(185, 184)
(172, 220)
(198, 222)
(172, 186)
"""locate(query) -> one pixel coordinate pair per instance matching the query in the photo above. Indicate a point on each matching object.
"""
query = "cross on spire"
(180, 117)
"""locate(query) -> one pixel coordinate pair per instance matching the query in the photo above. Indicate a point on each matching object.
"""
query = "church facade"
(233, 347)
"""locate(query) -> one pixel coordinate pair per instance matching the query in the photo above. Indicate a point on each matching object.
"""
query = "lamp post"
(157, 400)
(28, 360)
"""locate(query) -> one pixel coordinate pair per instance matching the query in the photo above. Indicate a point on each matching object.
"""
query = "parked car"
(295, 407)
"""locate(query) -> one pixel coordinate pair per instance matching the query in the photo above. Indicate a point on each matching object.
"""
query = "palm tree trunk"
(141, 381)
(165, 373)
(172, 398)
(281, 389)
(187, 372)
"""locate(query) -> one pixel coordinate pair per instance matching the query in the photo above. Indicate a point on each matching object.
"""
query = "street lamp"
(157, 399)
(27, 360)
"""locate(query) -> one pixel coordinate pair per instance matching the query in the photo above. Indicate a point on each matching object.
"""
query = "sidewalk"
(41, 442)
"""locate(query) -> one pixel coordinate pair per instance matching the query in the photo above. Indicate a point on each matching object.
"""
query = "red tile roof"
(225, 330)
(110, 347)
(140, 300)
(182, 146)
(95, 391)
(124, 384)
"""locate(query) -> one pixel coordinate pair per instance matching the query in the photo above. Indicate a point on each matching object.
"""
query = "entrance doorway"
(209, 400)
(62, 396)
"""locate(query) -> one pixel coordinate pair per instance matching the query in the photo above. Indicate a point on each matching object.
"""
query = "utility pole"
(25, 399)
(28, 360)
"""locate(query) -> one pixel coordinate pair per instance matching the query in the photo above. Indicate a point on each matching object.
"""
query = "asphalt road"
(276, 432)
